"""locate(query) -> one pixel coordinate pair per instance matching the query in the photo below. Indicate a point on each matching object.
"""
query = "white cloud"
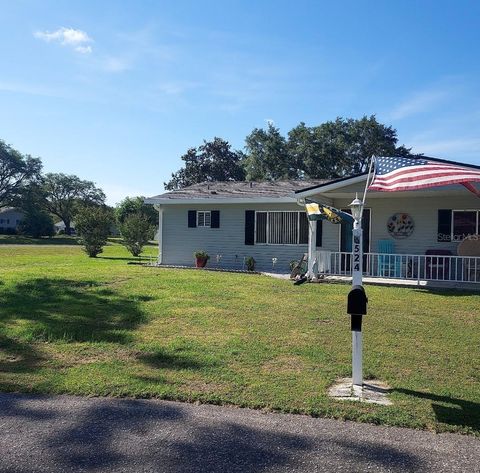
(84, 49)
(420, 102)
(76, 39)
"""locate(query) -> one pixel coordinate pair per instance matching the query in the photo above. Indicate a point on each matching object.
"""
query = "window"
(204, 218)
(281, 228)
(464, 223)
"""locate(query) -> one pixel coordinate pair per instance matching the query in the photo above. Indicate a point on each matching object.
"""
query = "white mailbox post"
(357, 279)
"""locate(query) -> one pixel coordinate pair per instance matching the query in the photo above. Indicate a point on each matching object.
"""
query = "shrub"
(250, 263)
(136, 231)
(8, 231)
(36, 223)
(93, 226)
(202, 254)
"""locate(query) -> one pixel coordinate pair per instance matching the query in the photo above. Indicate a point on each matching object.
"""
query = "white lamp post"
(357, 263)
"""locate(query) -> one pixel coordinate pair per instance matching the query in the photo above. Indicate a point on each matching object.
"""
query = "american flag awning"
(403, 174)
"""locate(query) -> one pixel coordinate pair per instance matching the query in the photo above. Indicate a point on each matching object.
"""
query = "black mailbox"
(357, 301)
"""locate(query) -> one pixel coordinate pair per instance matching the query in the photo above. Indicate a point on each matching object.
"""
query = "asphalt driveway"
(67, 433)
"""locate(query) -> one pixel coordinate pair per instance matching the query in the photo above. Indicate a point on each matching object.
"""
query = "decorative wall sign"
(400, 226)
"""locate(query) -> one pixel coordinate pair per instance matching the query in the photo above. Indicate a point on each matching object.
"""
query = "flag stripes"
(402, 174)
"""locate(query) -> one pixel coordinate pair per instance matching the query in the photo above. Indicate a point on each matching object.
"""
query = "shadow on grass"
(69, 310)
(160, 359)
(52, 310)
(440, 291)
(64, 310)
(24, 240)
(127, 258)
(450, 410)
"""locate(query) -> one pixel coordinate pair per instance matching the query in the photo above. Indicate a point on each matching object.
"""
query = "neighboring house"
(60, 227)
(10, 218)
(264, 220)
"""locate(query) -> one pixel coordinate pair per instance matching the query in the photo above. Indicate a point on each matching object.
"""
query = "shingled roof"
(241, 189)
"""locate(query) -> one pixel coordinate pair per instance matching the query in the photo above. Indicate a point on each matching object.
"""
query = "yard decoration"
(201, 258)
(400, 225)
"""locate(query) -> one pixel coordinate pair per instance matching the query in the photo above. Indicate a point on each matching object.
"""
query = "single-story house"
(423, 234)
(10, 218)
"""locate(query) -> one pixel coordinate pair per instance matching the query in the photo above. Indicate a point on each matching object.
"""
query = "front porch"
(397, 268)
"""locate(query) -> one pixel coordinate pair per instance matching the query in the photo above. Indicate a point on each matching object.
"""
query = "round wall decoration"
(400, 225)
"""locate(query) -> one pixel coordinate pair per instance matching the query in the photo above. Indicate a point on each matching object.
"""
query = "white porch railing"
(396, 266)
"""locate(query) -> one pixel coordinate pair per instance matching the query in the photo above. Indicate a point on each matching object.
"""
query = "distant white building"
(60, 227)
(10, 218)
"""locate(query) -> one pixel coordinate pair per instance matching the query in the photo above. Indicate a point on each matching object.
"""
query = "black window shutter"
(192, 218)
(249, 227)
(444, 231)
(215, 219)
(319, 232)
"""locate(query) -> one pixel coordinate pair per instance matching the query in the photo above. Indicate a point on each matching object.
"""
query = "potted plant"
(201, 258)
(250, 263)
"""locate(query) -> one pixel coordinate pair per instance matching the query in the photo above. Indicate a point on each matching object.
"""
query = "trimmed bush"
(93, 225)
(136, 231)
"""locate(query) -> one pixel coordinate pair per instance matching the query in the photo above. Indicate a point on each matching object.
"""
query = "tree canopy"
(64, 193)
(134, 205)
(333, 149)
(268, 156)
(212, 161)
(16, 172)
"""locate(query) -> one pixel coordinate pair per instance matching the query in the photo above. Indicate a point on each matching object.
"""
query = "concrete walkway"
(66, 433)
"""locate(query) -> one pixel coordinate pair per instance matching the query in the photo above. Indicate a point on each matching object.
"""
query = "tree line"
(43, 197)
(330, 150)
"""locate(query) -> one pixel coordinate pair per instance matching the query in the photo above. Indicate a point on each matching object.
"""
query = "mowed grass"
(70, 324)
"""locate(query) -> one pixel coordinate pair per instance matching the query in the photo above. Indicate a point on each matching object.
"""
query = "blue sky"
(116, 92)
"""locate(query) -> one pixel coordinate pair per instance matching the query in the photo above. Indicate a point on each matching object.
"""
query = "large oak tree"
(17, 171)
(64, 194)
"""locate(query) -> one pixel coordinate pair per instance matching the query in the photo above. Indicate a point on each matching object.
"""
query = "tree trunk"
(68, 229)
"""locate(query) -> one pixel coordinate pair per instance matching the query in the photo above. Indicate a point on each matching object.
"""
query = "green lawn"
(70, 324)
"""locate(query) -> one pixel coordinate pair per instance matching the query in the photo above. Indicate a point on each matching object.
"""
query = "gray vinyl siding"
(180, 241)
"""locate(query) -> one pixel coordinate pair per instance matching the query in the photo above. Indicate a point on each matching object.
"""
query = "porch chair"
(469, 249)
(388, 266)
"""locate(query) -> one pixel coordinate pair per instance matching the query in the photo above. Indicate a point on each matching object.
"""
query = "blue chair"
(388, 266)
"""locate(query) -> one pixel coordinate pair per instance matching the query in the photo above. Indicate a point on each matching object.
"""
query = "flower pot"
(200, 262)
